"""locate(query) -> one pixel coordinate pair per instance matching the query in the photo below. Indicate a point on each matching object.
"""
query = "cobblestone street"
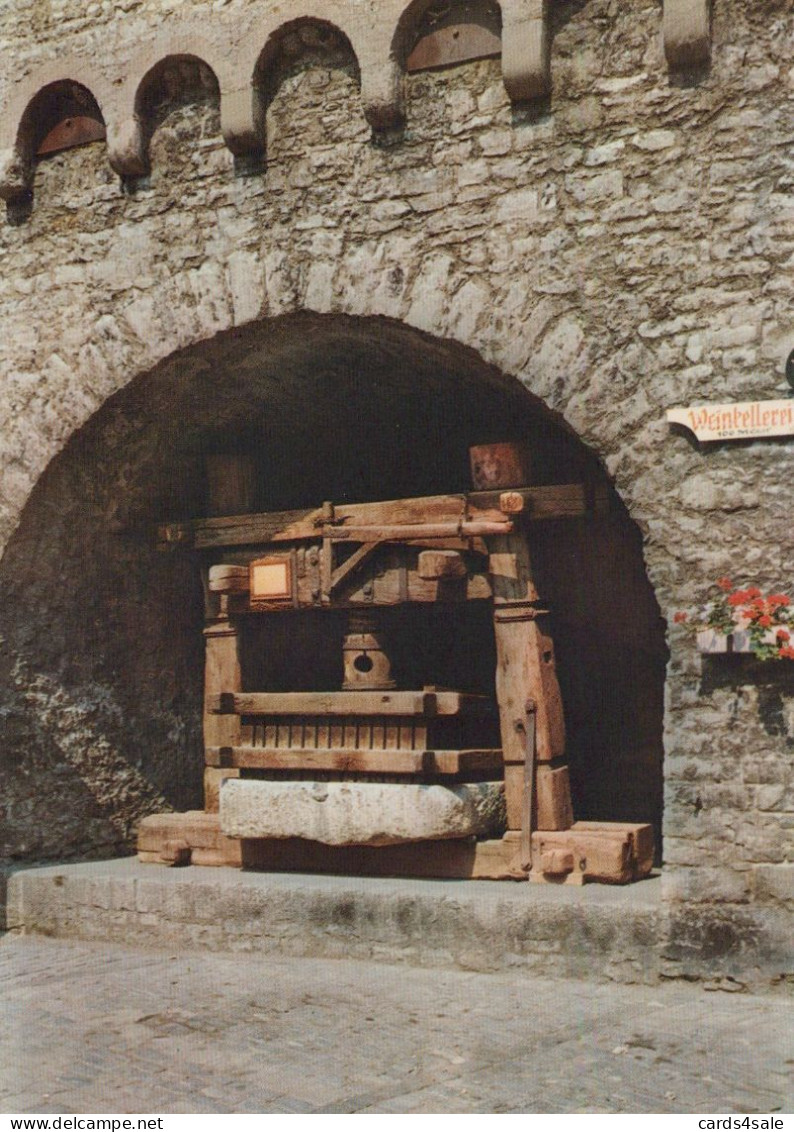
(103, 1028)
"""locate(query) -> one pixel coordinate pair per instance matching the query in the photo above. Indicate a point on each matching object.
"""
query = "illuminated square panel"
(270, 579)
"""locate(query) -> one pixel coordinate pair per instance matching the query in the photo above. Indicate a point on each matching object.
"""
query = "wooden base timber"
(193, 838)
(608, 852)
(451, 859)
(214, 777)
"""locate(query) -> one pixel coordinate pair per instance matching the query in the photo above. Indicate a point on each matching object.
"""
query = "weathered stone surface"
(610, 933)
(361, 813)
(775, 882)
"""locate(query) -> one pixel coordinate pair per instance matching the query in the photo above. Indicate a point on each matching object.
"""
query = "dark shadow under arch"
(50, 106)
(102, 658)
(48, 115)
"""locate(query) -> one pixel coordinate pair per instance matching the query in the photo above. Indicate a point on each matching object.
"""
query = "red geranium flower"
(783, 635)
(779, 599)
(786, 653)
(765, 621)
(679, 618)
(725, 584)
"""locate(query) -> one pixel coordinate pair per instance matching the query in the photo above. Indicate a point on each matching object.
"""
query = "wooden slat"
(358, 761)
(559, 501)
(349, 703)
(378, 734)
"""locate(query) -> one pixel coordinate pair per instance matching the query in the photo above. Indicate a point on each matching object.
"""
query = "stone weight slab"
(361, 813)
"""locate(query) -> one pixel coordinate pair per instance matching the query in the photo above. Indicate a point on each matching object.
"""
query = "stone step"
(596, 932)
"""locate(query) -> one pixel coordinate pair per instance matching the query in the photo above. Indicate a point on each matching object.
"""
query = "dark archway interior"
(102, 658)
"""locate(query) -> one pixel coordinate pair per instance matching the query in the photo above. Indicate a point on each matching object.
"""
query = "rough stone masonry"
(605, 216)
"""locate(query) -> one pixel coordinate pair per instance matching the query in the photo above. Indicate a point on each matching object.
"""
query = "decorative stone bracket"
(378, 38)
(526, 62)
(687, 33)
(16, 175)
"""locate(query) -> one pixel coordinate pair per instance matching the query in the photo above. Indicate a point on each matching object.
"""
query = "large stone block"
(361, 813)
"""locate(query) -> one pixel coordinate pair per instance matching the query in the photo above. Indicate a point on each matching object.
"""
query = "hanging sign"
(743, 421)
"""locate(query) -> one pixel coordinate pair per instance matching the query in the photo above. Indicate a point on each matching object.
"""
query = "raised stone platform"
(633, 933)
(597, 932)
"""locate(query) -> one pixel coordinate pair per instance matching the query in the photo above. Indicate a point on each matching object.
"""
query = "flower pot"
(712, 641)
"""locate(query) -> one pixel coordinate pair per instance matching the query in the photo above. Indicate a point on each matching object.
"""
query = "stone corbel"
(16, 175)
(127, 148)
(526, 63)
(382, 95)
(687, 33)
(242, 129)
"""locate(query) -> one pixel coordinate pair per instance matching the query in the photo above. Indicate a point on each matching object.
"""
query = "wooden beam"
(357, 761)
(612, 852)
(525, 669)
(554, 501)
(560, 501)
(365, 551)
(221, 674)
(418, 531)
(214, 777)
(525, 664)
(528, 797)
(553, 809)
(437, 564)
(455, 858)
(424, 703)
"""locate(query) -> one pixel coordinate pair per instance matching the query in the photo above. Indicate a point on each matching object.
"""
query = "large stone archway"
(103, 654)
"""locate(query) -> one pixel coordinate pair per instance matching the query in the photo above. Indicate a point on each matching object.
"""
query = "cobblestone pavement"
(100, 1028)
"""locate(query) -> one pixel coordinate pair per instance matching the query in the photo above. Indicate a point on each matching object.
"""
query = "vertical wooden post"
(221, 674)
(525, 668)
(231, 490)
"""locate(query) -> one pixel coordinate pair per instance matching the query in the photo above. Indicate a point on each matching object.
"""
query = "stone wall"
(620, 248)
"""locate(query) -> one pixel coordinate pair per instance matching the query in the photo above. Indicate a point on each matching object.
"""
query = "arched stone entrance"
(103, 631)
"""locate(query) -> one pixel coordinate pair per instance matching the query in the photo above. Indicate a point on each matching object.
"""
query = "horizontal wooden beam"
(460, 859)
(413, 532)
(553, 501)
(558, 501)
(356, 761)
(425, 703)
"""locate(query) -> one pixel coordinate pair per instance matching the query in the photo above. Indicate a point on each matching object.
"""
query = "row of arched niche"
(231, 65)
